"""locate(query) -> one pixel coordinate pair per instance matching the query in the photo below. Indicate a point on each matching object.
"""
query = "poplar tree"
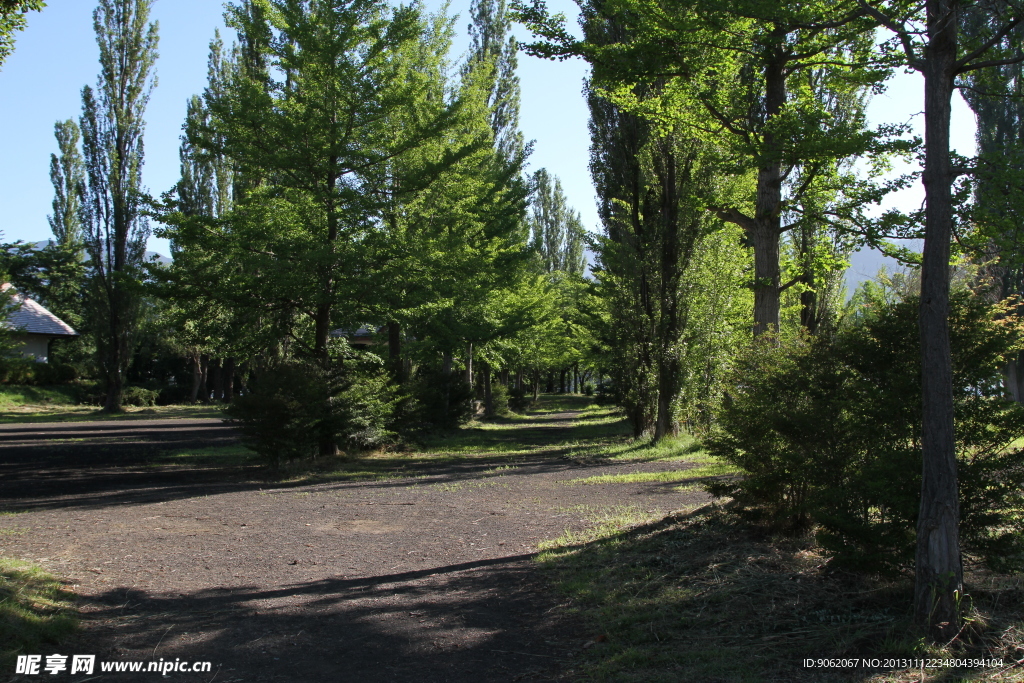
(557, 228)
(493, 47)
(114, 228)
(67, 173)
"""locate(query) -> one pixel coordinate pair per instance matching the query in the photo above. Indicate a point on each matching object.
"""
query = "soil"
(429, 577)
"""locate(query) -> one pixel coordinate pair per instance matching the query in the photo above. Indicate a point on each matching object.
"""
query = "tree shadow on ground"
(478, 621)
(39, 472)
(701, 596)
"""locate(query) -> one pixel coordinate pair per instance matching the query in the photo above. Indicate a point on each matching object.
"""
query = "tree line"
(359, 250)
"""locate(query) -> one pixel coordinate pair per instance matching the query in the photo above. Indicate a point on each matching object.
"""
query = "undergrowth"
(703, 597)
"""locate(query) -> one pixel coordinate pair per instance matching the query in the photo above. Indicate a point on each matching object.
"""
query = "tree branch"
(961, 65)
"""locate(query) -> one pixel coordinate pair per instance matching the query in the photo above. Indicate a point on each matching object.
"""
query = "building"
(34, 327)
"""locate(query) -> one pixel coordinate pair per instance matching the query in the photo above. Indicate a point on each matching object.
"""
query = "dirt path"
(423, 578)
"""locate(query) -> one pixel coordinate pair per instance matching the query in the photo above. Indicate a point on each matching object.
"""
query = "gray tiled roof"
(32, 318)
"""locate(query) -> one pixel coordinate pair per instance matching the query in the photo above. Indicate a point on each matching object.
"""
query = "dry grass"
(700, 597)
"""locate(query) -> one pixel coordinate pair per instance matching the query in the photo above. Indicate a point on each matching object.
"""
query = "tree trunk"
(204, 373)
(446, 373)
(536, 383)
(217, 380)
(939, 572)
(197, 377)
(469, 365)
(488, 397)
(395, 352)
(229, 379)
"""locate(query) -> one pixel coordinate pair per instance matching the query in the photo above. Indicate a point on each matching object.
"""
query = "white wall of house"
(34, 346)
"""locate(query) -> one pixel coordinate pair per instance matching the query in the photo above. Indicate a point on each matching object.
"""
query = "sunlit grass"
(712, 468)
(36, 612)
(28, 413)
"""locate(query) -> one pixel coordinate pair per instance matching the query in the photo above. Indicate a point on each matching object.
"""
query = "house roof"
(33, 318)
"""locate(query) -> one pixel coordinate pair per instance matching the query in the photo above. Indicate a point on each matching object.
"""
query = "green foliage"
(436, 401)
(292, 406)
(828, 433)
(28, 371)
(114, 227)
(13, 19)
(140, 397)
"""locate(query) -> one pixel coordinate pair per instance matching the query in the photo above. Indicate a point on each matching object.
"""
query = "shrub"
(520, 398)
(139, 397)
(828, 433)
(292, 406)
(436, 401)
(499, 398)
(25, 371)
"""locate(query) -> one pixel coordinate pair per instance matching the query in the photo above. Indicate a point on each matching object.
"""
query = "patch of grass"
(715, 468)
(16, 396)
(65, 413)
(215, 456)
(36, 611)
(700, 597)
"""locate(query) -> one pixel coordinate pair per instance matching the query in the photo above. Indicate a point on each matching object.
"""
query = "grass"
(14, 396)
(697, 596)
(713, 468)
(36, 611)
(30, 413)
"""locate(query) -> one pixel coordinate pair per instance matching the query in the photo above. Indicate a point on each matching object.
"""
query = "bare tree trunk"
(488, 397)
(395, 352)
(229, 380)
(197, 377)
(446, 373)
(217, 379)
(204, 368)
(939, 572)
(469, 365)
(536, 383)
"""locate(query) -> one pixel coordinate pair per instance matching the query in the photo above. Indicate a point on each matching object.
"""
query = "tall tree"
(67, 173)
(13, 19)
(493, 47)
(115, 230)
(942, 53)
(737, 75)
(557, 228)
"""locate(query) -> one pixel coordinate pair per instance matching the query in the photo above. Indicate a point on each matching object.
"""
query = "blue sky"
(57, 55)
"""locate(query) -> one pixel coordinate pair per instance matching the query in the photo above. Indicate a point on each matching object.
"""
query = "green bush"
(436, 401)
(499, 398)
(25, 371)
(139, 397)
(828, 433)
(293, 406)
(520, 398)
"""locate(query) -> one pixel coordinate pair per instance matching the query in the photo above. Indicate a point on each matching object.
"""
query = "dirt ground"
(424, 578)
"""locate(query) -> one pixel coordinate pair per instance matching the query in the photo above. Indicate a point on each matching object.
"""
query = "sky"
(57, 55)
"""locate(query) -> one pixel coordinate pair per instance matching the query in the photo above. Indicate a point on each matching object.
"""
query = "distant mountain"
(151, 256)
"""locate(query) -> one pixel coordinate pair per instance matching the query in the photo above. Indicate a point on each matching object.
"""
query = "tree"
(928, 37)
(736, 74)
(557, 228)
(67, 173)
(115, 230)
(13, 19)
(492, 47)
